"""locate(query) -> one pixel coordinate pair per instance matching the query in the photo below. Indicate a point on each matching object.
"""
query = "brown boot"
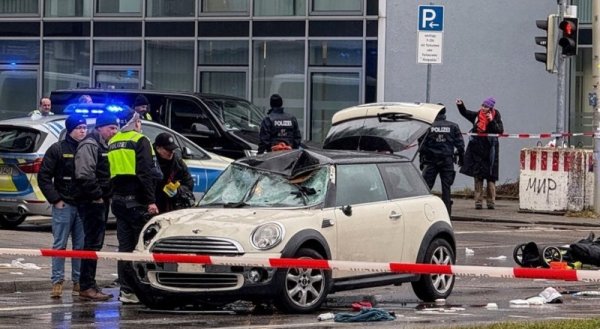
(94, 295)
(57, 290)
(76, 289)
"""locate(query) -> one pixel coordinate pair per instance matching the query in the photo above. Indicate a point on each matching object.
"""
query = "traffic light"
(568, 40)
(549, 42)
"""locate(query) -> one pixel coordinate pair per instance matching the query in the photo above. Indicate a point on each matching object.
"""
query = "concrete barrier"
(556, 180)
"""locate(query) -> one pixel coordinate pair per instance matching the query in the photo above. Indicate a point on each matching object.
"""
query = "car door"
(365, 217)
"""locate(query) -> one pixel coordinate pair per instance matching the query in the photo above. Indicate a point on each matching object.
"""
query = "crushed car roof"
(296, 162)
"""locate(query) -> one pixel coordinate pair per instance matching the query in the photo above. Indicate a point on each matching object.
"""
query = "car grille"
(198, 281)
(198, 245)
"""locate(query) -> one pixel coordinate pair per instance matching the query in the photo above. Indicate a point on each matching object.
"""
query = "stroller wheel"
(551, 254)
(518, 254)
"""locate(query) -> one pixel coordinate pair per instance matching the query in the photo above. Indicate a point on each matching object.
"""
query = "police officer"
(278, 128)
(133, 176)
(437, 154)
(58, 186)
(142, 106)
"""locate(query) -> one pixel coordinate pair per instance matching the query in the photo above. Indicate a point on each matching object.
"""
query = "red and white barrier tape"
(458, 270)
(535, 136)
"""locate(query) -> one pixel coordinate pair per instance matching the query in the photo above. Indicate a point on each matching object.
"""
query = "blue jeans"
(94, 217)
(65, 222)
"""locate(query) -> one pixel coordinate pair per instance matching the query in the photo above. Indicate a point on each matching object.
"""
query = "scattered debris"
(469, 252)
(491, 306)
(18, 263)
(326, 316)
(497, 258)
(366, 315)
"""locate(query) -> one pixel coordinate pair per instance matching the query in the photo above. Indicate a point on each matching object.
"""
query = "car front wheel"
(11, 221)
(435, 286)
(302, 290)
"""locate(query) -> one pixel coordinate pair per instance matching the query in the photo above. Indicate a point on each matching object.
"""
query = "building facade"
(320, 55)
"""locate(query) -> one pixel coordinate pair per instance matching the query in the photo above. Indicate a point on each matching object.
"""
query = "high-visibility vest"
(121, 153)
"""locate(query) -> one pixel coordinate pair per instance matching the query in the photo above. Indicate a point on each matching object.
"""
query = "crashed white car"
(337, 203)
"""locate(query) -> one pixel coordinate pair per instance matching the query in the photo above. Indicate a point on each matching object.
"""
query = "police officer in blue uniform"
(278, 127)
(437, 154)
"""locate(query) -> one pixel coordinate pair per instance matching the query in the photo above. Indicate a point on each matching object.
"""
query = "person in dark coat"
(279, 130)
(482, 155)
(177, 181)
(437, 154)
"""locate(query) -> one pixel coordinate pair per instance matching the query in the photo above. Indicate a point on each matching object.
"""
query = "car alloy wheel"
(434, 286)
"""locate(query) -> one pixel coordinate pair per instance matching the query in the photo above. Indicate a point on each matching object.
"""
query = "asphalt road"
(466, 305)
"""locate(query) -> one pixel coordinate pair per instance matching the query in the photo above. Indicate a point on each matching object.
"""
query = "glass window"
(233, 52)
(68, 8)
(224, 83)
(66, 64)
(335, 53)
(356, 184)
(224, 6)
(122, 52)
(18, 7)
(188, 118)
(19, 52)
(279, 7)
(402, 180)
(170, 65)
(371, 72)
(170, 8)
(278, 68)
(119, 7)
(337, 6)
(18, 92)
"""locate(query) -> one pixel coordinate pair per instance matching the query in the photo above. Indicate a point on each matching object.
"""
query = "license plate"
(6, 170)
(191, 268)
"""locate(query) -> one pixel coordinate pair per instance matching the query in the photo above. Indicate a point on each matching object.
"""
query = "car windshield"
(240, 186)
(236, 114)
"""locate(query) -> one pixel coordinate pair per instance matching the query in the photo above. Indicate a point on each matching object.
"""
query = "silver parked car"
(369, 205)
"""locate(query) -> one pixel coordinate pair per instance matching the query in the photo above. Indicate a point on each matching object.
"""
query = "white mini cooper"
(360, 198)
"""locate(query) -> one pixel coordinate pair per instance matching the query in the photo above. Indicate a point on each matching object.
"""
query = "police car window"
(18, 140)
(357, 184)
(402, 180)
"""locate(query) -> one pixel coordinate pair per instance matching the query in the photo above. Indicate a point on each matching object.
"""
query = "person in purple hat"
(482, 155)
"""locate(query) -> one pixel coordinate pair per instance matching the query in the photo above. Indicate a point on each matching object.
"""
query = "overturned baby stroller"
(585, 251)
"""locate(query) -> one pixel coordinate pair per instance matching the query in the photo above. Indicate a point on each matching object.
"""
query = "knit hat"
(106, 119)
(489, 102)
(276, 101)
(73, 121)
(141, 100)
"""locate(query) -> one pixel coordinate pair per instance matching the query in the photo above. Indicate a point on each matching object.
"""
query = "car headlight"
(267, 236)
(149, 233)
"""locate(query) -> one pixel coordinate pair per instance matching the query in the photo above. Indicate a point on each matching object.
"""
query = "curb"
(8, 287)
(516, 221)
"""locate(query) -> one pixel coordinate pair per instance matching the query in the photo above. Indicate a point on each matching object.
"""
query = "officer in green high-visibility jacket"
(133, 176)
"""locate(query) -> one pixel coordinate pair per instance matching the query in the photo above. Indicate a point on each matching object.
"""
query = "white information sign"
(429, 49)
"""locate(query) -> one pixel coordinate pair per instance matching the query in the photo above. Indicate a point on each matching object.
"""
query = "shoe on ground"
(128, 298)
(94, 295)
(57, 289)
(491, 206)
(76, 289)
(478, 207)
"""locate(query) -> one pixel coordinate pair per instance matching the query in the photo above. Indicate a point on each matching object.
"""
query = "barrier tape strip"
(536, 136)
(458, 270)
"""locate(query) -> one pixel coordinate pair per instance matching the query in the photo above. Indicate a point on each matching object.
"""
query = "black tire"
(11, 221)
(518, 254)
(302, 290)
(436, 286)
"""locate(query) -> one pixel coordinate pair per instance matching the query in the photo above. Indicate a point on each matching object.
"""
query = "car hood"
(383, 127)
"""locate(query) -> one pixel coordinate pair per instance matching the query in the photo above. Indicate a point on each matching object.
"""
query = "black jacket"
(92, 172)
(277, 127)
(56, 176)
(173, 170)
(441, 140)
(482, 154)
(143, 184)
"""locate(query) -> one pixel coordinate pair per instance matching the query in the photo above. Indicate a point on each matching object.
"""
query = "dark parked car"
(220, 124)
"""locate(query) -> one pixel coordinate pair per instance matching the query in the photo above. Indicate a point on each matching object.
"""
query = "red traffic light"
(568, 28)
(568, 40)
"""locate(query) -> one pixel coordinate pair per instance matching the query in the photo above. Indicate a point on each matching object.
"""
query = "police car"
(24, 141)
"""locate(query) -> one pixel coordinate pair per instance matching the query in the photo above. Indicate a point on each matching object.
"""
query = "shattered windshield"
(236, 114)
(240, 186)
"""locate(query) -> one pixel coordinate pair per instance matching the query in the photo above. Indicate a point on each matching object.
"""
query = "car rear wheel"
(435, 286)
(11, 221)
(302, 290)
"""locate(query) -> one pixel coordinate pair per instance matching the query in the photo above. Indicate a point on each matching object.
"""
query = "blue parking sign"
(431, 18)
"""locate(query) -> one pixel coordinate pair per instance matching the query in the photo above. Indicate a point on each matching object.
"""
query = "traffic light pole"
(596, 80)
(561, 77)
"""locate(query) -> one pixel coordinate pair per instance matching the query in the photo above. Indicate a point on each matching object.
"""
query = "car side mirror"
(347, 210)
(199, 128)
(186, 153)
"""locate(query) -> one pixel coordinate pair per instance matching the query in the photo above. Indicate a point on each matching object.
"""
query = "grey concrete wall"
(488, 50)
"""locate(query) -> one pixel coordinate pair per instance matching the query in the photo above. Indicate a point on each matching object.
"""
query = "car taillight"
(32, 167)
